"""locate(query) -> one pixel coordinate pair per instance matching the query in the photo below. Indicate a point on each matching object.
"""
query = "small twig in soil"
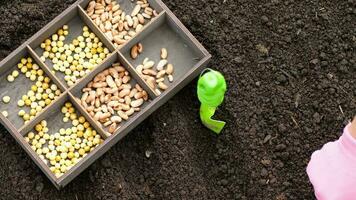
(297, 100)
(295, 121)
(342, 112)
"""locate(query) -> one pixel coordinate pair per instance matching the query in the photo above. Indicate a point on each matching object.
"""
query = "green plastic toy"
(211, 92)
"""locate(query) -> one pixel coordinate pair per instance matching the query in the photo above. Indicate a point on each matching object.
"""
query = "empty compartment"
(71, 48)
(25, 89)
(121, 20)
(113, 95)
(62, 136)
(181, 53)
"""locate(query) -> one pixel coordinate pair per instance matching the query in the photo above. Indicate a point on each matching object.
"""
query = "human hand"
(352, 128)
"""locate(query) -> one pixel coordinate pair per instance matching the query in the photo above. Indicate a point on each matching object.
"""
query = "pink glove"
(332, 170)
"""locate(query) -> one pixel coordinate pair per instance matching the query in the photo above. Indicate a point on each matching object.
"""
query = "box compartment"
(76, 20)
(127, 7)
(164, 33)
(54, 118)
(13, 90)
(115, 58)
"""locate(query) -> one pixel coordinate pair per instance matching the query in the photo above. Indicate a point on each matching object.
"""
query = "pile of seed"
(117, 25)
(75, 59)
(110, 98)
(41, 94)
(155, 76)
(63, 149)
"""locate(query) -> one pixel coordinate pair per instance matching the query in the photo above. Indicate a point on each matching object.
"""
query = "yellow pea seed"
(39, 151)
(21, 103)
(48, 101)
(10, 78)
(6, 99)
(23, 60)
(38, 127)
(24, 70)
(81, 151)
(58, 158)
(5, 113)
(21, 113)
(28, 102)
(29, 65)
(42, 141)
(26, 117)
(65, 119)
(15, 73)
(33, 77)
(54, 37)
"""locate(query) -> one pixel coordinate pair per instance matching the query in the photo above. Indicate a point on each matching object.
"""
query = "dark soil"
(290, 67)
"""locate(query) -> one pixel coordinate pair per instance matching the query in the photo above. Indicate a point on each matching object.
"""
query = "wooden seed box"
(187, 55)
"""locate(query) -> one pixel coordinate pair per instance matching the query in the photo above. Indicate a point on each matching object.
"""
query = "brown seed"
(158, 92)
(145, 15)
(122, 115)
(138, 95)
(118, 40)
(162, 86)
(84, 96)
(161, 65)
(136, 10)
(91, 5)
(169, 69)
(110, 81)
(139, 69)
(130, 112)
(125, 107)
(131, 33)
(116, 19)
(136, 22)
(148, 64)
(138, 28)
(155, 14)
(136, 103)
(139, 47)
(124, 92)
(129, 20)
(138, 87)
(115, 8)
(126, 79)
(141, 19)
(116, 119)
(114, 73)
(127, 100)
(108, 123)
(97, 115)
(161, 73)
(134, 52)
(118, 67)
(144, 95)
(160, 80)
(112, 128)
(113, 104)
(121, 25)
(164, 53)
(133, 93)
(170, 78)
(149, 72)
(151, 82)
